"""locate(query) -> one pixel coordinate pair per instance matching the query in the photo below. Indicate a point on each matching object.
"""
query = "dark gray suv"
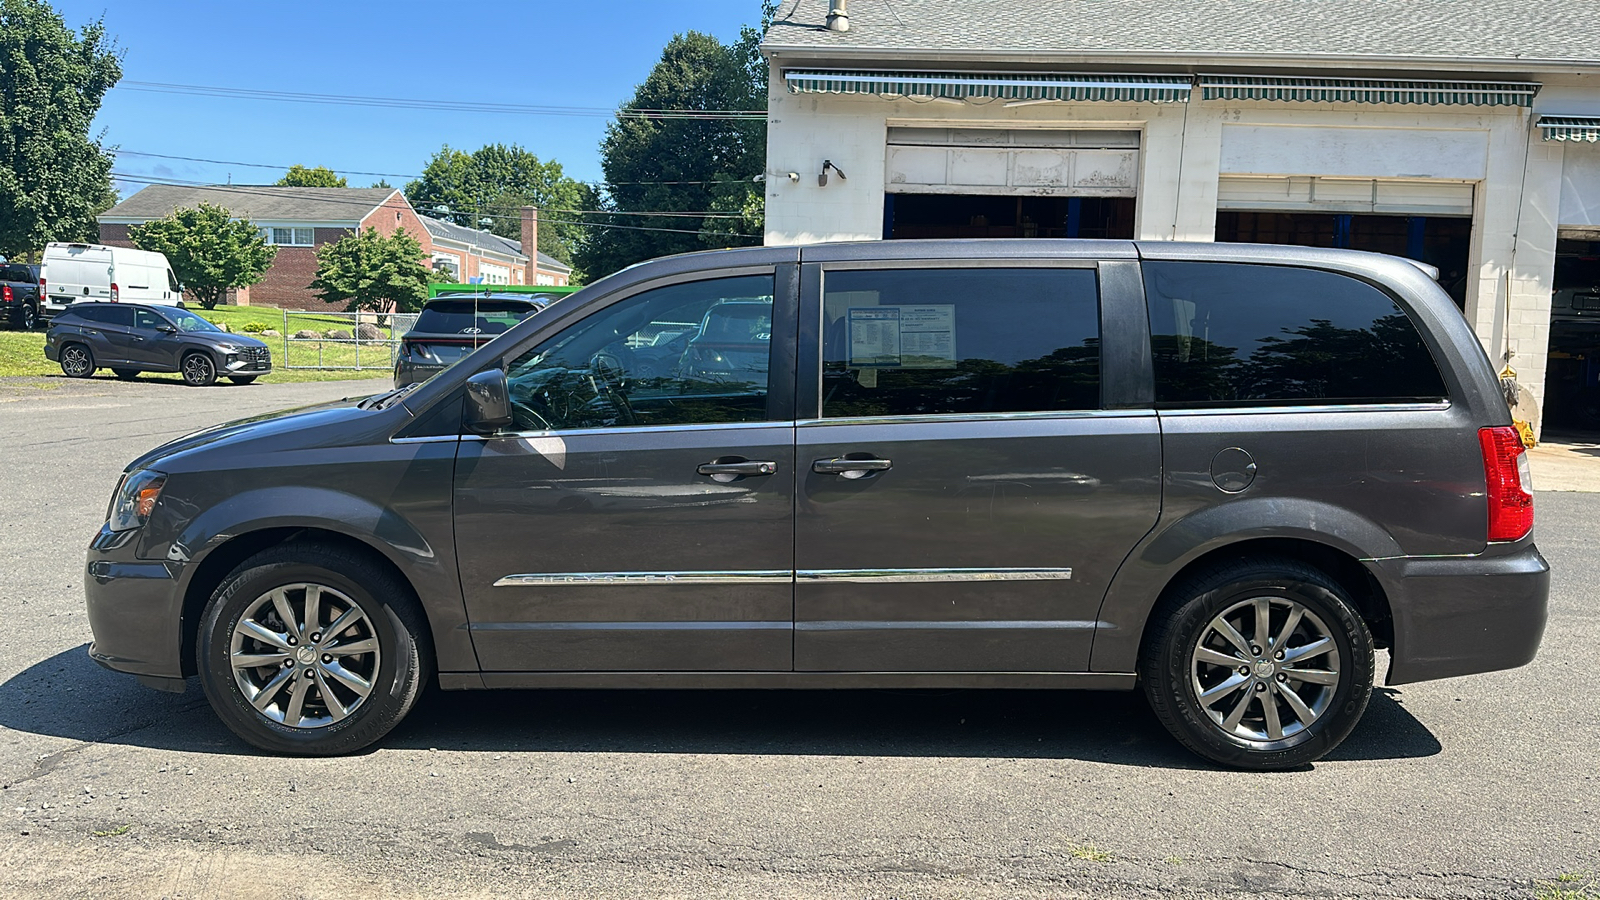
(1226, 475)
(130, 338)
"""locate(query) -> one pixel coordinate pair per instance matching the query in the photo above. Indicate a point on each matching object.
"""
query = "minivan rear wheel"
(1259, 663)
(311, 650)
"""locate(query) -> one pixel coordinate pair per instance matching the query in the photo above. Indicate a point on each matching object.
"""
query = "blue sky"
(537, 52)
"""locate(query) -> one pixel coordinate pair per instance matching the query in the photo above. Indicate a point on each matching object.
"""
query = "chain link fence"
(342, 340)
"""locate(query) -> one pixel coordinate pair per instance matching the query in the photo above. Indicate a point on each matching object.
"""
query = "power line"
(250, 165)
(200, 90)
(266, 191)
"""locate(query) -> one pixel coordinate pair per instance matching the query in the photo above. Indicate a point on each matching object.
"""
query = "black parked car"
(130, 338)
(453, 325)
(1223, 474)
(19, 295)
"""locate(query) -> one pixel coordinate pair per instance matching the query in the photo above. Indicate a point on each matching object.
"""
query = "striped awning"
(1367, 90)
(994, 85)
(1570, 128)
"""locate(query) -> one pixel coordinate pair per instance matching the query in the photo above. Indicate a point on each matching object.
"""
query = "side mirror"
(488, 402)
(167, 329)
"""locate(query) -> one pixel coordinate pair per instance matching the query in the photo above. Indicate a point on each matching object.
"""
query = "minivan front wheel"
(1260, 664)
(312, 650)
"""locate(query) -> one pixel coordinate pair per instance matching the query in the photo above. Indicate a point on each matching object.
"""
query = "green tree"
(488, 187)
(54, 176)
(210, 251)
(321, 176)
(684, 163)
(367, 271)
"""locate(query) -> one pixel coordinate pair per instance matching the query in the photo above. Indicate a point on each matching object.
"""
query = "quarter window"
(1230, 334)
(949, 341)
(687, 354)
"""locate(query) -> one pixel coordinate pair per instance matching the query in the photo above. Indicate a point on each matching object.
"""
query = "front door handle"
(850, 468)
(725, 472)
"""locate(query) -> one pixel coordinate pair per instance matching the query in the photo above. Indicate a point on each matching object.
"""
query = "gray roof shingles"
(1492, 31)
(488, 239)
(258, 203)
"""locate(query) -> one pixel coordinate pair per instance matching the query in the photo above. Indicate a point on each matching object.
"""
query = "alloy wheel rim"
(75, 360)
(1265, 669)
(196, 368)
(304, 655)
(30, 319)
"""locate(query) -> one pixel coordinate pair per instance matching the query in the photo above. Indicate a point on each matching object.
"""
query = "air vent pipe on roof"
(839, 15)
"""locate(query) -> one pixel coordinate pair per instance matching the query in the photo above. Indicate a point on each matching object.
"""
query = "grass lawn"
(22, 353)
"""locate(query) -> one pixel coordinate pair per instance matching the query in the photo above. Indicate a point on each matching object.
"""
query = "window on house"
(290, 237)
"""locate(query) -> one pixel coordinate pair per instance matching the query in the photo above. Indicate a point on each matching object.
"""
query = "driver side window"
(687, 354)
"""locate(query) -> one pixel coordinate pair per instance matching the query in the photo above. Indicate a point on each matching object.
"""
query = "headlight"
(135, 499)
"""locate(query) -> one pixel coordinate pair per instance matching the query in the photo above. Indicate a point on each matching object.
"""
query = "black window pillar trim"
(1127, 375)
(785, 335)
(808, 395)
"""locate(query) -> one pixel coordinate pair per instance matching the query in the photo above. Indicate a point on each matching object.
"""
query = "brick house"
(298, 220)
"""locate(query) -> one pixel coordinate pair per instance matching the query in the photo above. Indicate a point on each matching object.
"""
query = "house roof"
(1513, 34)
(258, 203)
(450, 231)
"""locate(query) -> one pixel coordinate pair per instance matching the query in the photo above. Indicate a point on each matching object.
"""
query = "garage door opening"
(1440, 241)
(1572, 373)
(968, 216)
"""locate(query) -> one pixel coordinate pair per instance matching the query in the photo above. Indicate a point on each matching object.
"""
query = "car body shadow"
(1107, 727)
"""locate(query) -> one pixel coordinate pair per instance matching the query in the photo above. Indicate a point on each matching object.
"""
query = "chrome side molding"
(771, 576)
(756, 576)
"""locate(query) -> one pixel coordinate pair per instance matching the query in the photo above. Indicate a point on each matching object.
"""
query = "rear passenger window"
(105, 314)
(903, 342)
(1229, 334)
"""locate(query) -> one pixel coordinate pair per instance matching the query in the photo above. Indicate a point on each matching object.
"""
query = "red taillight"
(5, 292)
(115, 294)
(41, 287)
(1510, 483)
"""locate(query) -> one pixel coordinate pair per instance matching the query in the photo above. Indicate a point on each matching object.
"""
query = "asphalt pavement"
(1478, 787)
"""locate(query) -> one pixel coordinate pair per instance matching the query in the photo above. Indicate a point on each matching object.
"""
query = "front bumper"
(135, 608)
(1465, 615)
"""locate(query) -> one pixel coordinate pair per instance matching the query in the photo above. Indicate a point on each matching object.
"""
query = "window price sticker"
(903, 337)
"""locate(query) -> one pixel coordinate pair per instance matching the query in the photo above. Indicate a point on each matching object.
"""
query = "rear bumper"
(1465, 615)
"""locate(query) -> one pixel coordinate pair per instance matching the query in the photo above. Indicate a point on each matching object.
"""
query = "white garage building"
(1459, 132)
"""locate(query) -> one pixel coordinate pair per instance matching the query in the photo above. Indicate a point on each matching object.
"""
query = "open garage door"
(1429, 221)
(1572, 373)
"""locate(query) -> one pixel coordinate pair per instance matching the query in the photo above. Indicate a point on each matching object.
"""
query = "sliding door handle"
(724, 472)
(850, 468)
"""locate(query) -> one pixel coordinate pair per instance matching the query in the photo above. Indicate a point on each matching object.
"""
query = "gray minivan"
(1223, 474)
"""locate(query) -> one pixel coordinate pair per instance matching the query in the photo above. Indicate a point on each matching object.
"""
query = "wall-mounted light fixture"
(822, 179)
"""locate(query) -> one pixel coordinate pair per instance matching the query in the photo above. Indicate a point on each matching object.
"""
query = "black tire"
(198, 369)
(27, 317)
(1175, 670)
(242, 379)
(77, 361)
(404, 665)
(126, 374)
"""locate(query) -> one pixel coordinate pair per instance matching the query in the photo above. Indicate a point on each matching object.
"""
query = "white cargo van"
(77, 272)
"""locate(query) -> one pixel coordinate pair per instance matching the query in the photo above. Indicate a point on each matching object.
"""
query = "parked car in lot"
(453, 325)
(130, 338)
(19, 295)
(78, 272)
(1221, 474)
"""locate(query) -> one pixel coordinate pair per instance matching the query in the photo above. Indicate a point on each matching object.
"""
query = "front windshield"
(188, 321)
